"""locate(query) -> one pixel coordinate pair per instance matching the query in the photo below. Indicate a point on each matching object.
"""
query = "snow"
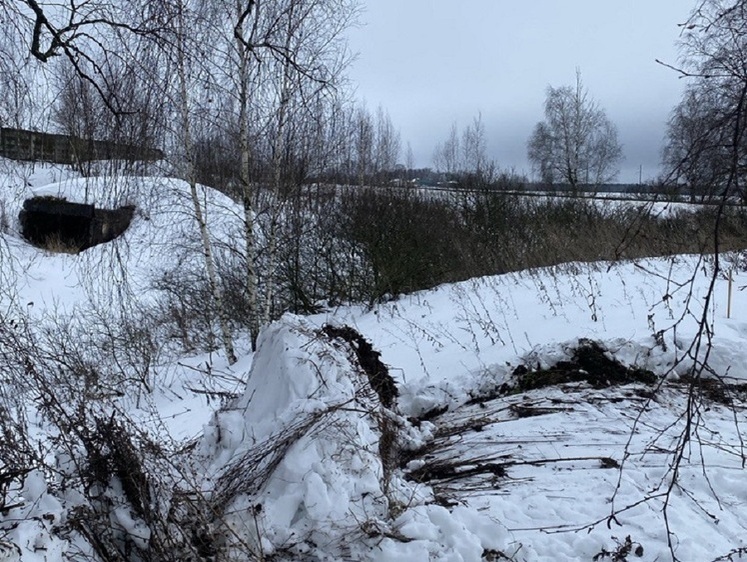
(440, 342)
(294, 460)
(330, 473)
(160, 239)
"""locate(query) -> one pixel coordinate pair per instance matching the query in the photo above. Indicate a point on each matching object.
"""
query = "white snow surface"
(306, 429)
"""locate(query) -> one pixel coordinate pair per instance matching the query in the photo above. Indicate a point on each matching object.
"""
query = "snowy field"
(470, 461)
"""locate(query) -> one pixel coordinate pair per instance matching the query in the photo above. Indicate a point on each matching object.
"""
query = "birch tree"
(186, 57)
(576, 144)
(268, 62)
(447, 156)
(281, 57)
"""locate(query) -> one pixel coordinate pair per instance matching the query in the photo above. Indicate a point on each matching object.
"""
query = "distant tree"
(21, 104)
(364, 135)
(576, 143)
(697, 147)
(387, 145)
(369, 146)
(409, 161)
(447, 156)
(540, 152)
(464, 159)
(475, 159)
(706, 147)
(78, 110)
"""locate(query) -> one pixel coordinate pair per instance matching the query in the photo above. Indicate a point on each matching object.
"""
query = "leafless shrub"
(413, 241)
(184, 311)
(124, 478)
(408, 242)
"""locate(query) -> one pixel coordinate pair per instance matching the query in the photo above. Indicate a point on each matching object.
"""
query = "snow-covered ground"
(308, 464)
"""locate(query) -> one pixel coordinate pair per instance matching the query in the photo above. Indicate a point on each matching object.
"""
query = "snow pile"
(161, 241)
(301, 463)
(37, 513)
(443, 345)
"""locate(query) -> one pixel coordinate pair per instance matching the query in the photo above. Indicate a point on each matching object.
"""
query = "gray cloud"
(433, 62)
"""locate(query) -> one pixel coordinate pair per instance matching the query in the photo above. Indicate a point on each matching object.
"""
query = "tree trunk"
(199, 215)
(250, 242)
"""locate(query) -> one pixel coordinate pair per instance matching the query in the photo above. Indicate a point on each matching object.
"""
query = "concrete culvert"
(58, 225)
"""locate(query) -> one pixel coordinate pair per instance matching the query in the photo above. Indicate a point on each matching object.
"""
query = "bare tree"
(697, 149)
(187, 65)
(576, 143)
(540, 153)
(364, 137)
(706, 146)
(21, 104)
(79, 112)
(409, 160)
(447, 156)
(83, 34)
(706, 149)
(388, 144)
(280, 65)
(474, 147)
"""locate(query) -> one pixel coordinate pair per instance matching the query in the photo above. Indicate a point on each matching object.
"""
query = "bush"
(337, 245)
(409, 242)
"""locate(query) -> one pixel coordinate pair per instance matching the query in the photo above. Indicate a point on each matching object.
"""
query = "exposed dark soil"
(713, 389)
(62, 226)
(590, 363)
(370, 361)
(383, 384)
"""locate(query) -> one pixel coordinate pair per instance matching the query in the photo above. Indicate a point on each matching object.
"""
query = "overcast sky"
(433, 62)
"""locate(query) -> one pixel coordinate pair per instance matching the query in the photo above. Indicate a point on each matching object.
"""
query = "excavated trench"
(58, 225)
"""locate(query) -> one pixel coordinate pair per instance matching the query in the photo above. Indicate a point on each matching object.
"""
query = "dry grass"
(416, 241)
(56, 245)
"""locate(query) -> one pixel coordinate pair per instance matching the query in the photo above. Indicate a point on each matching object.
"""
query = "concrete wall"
(20, 144)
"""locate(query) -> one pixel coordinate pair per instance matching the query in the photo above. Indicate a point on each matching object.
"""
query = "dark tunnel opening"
(58, 225)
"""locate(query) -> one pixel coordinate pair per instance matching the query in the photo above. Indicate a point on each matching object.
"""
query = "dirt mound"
(370, 361)
(590, 363)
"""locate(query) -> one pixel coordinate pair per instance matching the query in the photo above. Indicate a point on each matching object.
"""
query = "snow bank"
(162, 237)
(441, 345)
(296, 462)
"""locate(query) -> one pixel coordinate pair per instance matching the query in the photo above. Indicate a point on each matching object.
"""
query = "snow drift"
(303, 462)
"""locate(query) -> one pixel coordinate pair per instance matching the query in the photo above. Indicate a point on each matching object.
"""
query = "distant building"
(20, 144)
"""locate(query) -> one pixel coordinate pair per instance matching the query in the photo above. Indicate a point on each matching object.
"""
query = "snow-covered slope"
(448, 338)
(564, 472)
(299, 455)
(162, 237)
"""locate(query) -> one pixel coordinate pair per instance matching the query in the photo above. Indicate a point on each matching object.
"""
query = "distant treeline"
(492, 180)
(21, 144)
